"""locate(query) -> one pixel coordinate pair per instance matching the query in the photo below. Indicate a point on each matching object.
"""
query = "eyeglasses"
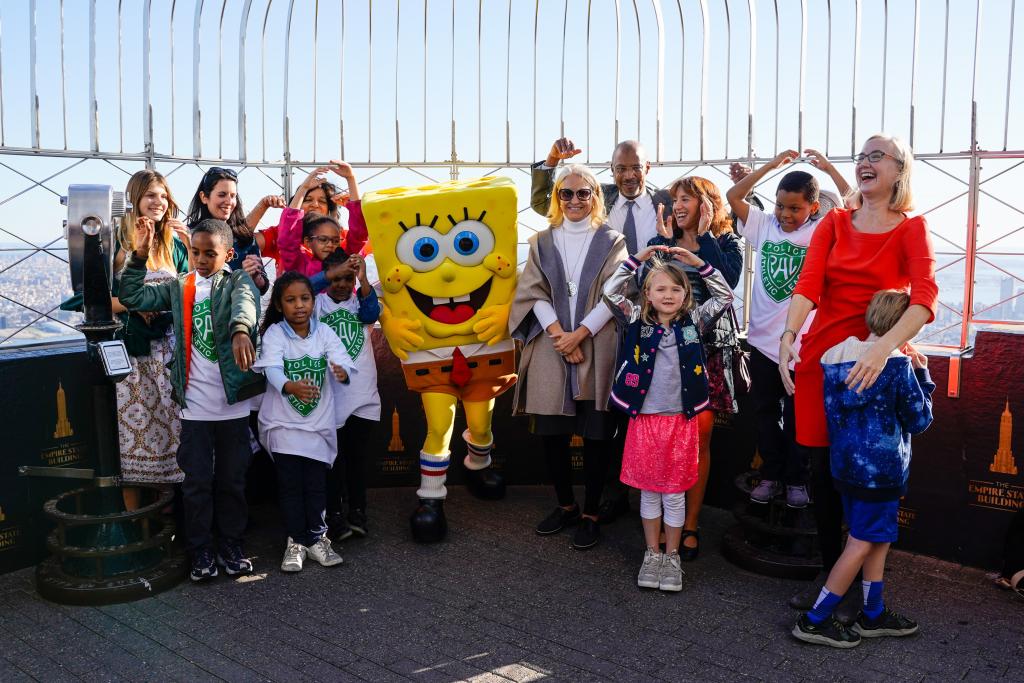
(566, 195)
(874, 157)
(622, 169)
(327, 241)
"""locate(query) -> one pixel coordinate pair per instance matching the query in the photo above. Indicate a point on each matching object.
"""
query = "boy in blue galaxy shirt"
(869, 430)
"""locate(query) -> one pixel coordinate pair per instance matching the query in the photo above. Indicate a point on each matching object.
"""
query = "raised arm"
(821, 162)
(737, 194)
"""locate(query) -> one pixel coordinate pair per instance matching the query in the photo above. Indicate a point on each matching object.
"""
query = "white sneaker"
(294, 554)
(322, 552)
(671, 573)
(650, 570)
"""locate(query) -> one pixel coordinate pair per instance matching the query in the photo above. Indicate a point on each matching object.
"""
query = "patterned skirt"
(148, 425)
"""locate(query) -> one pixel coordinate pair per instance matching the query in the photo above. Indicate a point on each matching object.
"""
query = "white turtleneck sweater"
(572, 241)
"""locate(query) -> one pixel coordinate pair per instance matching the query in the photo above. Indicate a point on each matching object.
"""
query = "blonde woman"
(147, 417)
(567, 365)
(854, 253)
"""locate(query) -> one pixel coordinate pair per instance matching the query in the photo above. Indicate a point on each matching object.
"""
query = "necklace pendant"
(572, 288)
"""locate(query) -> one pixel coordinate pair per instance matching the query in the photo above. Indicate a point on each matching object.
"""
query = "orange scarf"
(188, 301)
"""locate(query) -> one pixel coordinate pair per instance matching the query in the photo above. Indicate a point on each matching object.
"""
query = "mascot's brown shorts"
(491, 374)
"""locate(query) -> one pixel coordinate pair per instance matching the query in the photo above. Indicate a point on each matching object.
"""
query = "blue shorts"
(874, 522)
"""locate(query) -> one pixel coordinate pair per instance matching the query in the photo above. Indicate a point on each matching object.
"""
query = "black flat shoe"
(588, 533)
(687, 554)
(558, 520)
(613, 508)
(485, 484)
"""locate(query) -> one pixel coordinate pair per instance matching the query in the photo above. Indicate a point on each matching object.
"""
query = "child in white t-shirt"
(297, 422)
(351, 311)
(781, 239)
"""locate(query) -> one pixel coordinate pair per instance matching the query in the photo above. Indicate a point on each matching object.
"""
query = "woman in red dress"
(854, 253)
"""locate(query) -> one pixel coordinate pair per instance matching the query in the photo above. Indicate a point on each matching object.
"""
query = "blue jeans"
(302, 495)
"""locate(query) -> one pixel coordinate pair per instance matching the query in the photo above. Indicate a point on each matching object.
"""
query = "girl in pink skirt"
(661, 383)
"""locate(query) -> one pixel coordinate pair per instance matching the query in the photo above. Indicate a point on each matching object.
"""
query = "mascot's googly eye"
(421, 248)
(469, 242)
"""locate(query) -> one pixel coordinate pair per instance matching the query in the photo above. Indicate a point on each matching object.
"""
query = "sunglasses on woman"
(565, 194)
(216, 173)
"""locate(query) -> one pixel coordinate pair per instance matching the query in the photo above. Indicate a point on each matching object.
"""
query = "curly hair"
(702, 188)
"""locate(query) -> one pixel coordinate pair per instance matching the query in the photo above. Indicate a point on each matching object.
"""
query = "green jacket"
(235, 307)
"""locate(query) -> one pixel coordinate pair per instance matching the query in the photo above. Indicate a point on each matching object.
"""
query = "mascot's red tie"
(460, 369)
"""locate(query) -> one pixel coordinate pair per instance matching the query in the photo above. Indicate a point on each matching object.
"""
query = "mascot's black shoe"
(485, 484)
(428, 522)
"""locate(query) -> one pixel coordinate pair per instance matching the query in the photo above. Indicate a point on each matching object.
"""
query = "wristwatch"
(785, 332)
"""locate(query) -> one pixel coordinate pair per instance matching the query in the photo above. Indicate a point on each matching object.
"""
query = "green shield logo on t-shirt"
(313, 369)
(780, 268)
(348, 328)
(202, 331)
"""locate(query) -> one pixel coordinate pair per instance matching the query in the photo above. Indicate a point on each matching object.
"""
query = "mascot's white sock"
(478, 457)
(433, 473)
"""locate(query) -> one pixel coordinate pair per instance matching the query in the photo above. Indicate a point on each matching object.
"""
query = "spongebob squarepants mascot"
(446, 255)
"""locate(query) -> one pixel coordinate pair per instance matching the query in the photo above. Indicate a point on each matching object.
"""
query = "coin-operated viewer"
(446, 255)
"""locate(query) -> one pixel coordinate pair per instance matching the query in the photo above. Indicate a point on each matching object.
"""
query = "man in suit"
(629, 202)
(631, 205)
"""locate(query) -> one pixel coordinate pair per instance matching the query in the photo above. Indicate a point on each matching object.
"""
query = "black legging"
(595, 468)
(350, 466)
(828, 507)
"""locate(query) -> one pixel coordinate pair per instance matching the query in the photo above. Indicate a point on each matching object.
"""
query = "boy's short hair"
(885, 309)
(335, 258)
(218, 228)
(802, 182)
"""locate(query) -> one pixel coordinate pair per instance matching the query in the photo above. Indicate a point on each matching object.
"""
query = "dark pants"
(302, 495)
(350, 467)
(828, 507)
(595, 469)
(776, 423)
(214, 455)
(616, 489)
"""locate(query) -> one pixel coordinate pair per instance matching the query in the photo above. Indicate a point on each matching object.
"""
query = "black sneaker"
(829, 632)
(888, 623)
(357, 522)
(588, 533)
(234, 560)
(203, 566)
(338, 528)
(558, 520)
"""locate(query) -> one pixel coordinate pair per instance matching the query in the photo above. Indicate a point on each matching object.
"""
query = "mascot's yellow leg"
(478, 419)
(440, 411)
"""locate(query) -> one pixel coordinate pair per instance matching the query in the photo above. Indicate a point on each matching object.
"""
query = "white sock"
(433, 473)
(477, 457)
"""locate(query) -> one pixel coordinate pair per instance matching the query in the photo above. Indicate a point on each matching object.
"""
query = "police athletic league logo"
(314, 369)
(202, 330)
(780, 268)
(349, 330)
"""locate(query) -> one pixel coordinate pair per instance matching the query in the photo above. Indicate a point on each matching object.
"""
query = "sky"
(384, 82)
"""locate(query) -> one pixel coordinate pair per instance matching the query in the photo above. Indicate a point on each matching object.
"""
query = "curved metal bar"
(618, 65)
(147, 76)
(508, 75)
(977, 39)
(775, 121)
(885, 53)
(197, 144)
(913, 68)
(639, 69)
(341, 82)
(425, 110)
(945, 66)
(316, 26)
(369, 80)
(659, 114)
(856, 68)
(587, 86)
(33, 94)
(682, 74)
(398, 30)
(803, 75)
(705, 51)
(828, 81)
(728, 72)
(561, 102)
(479, 81)
(1009, 78)
(93, 105)
(263, 80)
(220, 80)
(242, 25)
(285, 140)
(63, 81)
(170, 44)
(752, 77)
(536, 15)
(92, 56)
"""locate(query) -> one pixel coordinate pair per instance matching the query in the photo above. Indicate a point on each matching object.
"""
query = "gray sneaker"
(650, 570)
(671, 573)
(294, 555)
(322, 552)
(796, 497)
(764, 491)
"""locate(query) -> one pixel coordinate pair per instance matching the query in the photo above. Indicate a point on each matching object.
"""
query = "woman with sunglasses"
(568, 361)
(217, 197)
(855, 252)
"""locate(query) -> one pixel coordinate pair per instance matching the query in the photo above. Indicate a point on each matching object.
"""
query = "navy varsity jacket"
(635, 366)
